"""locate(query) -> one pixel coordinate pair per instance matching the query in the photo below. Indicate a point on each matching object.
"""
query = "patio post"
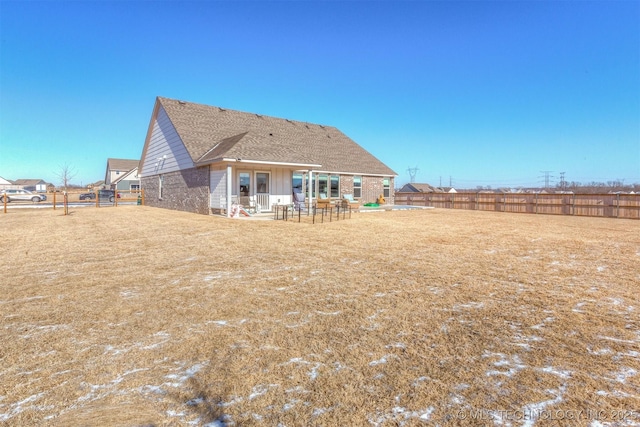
(229, 190)
(310, 190)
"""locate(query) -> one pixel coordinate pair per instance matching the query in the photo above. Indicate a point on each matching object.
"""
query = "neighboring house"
(95, 185)
(5, 184)
(35, 185)
(417, 188)
(122, 174)
(446, 190)
(197, 157)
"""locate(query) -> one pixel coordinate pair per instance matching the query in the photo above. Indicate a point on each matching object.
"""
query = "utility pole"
(563, 183)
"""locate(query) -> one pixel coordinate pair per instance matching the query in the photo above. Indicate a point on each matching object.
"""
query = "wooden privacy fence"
(600, 205)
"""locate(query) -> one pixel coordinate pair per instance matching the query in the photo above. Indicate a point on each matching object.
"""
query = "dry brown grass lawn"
(137, 316)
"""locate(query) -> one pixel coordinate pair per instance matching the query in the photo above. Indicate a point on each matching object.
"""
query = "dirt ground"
(135, 316)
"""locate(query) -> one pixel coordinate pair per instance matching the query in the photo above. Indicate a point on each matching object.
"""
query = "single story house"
(418, 188)
(199, 158)
(35, 185)
(122, 174)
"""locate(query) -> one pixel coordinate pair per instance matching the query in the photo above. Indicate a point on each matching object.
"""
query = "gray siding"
(165, 141)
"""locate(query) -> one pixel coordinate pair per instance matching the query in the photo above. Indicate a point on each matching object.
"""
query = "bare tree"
(65, 174)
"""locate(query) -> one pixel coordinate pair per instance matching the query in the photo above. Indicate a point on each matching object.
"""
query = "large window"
(357, 186)
(245, 183)
(335, 186)
(386, 192)
(322, 185)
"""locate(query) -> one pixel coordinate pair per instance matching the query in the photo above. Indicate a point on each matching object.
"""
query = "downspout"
(229, 171)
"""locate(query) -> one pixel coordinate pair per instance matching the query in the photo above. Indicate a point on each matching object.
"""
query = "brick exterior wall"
(372, 188)
(186, 190)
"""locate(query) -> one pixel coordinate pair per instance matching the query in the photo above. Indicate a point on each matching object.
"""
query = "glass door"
(263, 190)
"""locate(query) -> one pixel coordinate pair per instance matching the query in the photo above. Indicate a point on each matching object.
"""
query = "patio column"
(310, 189)
(229, 183)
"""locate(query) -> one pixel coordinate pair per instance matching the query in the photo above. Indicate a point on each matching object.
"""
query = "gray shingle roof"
(124, 165)
(212, 133)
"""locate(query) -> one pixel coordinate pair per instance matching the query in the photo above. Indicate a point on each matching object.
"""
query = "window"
(160, 182)
(322, 184)
(357, 186)
(386, 192)
(262, 182)
(335, 186)
(306, 185)
(297, 181)
(135, 187)
(245, 183)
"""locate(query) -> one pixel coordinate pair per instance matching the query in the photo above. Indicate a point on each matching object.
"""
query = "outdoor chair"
(349, 202)
(323, 202)
(298, 201)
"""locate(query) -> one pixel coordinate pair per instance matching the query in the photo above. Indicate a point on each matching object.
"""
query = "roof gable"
(211, 133)
(123, 165)
(24, 182)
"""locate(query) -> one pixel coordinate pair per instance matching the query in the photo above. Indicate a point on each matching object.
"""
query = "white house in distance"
(35, 185)
(4, 184)
(198, 157)
(122, 174)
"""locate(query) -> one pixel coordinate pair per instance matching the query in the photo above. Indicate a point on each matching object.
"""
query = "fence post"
(142, 193)
(54, 199)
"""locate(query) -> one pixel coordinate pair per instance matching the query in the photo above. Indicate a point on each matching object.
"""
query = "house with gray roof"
(36, 185)
(122, 174)
(200, 158)
(418, 188)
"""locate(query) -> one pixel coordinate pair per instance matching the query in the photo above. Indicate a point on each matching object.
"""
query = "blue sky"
(472, 93)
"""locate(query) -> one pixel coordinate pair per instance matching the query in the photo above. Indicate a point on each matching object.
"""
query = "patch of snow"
(534, 410)
(380, 361)
(625, 373)
(617, 340)
(555, 371)
(600, 352)
(515, 364)
(396, 345)
(217, 322)
(17, 407)
(261, 390)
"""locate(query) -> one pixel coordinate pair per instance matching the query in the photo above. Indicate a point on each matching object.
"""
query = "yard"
(135, 316)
